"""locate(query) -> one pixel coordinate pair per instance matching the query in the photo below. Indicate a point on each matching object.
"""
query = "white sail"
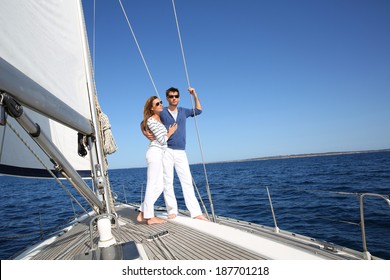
(56, 61)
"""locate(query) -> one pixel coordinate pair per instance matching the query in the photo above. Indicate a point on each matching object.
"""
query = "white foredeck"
(184, 238)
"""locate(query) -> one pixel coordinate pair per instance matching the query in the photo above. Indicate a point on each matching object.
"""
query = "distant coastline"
(281, 157)
(302, 155)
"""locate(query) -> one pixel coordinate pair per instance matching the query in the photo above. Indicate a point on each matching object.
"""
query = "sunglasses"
(157, 103)
(173, 96)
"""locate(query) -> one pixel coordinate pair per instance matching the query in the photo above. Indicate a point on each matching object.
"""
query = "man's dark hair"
(171, 89)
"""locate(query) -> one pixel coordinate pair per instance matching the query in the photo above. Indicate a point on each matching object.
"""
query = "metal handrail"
(366, 253)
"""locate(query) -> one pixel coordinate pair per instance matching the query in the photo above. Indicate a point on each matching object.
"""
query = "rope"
(109, 145)
(188, 82)
(193, 108)
(181, 44)
(139, 48)
(200, 198)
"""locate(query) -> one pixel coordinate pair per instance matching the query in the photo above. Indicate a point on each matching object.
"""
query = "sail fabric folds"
(45, 41)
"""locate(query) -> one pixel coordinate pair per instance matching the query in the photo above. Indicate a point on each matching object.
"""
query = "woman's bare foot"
(203, 218)
(171, 216)
(140, 217)
(155, 220)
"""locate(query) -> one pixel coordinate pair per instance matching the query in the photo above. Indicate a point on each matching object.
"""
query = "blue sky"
(273, 77)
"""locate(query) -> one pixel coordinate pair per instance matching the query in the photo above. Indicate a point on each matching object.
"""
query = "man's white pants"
(177, 159)
(155, 182)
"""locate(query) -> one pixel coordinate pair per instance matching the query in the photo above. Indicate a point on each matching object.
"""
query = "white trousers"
(155, 182)
(177, 159)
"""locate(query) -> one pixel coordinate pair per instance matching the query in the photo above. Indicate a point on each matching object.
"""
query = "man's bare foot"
(203, 218)
(171, 216)
(155, 220)
(140, 217)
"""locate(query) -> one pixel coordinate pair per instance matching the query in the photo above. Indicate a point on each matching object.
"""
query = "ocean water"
(315, 196)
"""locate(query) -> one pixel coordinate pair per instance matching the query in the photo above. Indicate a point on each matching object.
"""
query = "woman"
(154, 157)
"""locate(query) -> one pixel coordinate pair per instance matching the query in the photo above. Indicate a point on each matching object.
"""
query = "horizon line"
(282, 157)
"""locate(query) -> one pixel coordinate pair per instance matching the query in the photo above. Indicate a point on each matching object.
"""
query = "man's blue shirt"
(178, 139)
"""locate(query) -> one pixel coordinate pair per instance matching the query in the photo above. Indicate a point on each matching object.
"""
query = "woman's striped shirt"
(159, 131)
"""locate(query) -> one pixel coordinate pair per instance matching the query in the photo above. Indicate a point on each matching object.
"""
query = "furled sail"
(42, 43)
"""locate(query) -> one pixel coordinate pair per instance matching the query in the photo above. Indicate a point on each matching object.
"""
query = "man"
(175, 156)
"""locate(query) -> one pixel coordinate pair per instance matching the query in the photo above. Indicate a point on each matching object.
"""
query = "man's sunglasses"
(173, 96)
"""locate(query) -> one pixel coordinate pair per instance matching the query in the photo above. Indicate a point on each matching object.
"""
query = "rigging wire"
(139, 48)
(193, 108)
(46, 167)
(189, 85)
(104, 127)
(181, 44)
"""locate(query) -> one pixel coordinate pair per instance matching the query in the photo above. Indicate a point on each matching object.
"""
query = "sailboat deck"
(171, 241)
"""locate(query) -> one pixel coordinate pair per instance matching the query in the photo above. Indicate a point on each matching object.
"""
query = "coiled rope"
(109, 145)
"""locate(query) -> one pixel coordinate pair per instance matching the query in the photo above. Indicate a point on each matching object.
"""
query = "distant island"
(304, 155)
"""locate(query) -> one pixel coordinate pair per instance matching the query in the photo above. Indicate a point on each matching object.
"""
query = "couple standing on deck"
(165, 127)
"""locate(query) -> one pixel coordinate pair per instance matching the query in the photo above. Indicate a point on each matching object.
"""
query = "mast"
(100, 177)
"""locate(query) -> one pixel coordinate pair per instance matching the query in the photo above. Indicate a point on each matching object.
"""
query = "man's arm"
(197, 101)
(146, 132)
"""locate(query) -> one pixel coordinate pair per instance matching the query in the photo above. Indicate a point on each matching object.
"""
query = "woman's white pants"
(155, 181)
